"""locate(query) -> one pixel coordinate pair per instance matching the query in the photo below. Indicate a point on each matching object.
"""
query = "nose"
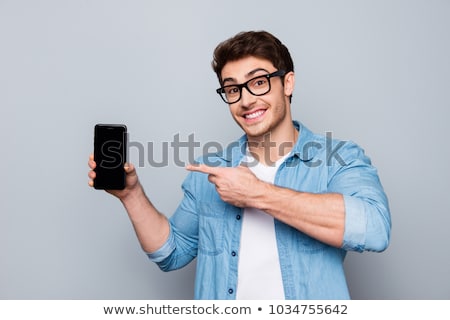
(247, 99)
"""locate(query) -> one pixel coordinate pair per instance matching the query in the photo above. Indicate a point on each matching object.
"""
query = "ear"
(289, 83)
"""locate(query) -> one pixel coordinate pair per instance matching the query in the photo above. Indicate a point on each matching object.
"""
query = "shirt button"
(230, 291)
(238, 217)
(233, 253)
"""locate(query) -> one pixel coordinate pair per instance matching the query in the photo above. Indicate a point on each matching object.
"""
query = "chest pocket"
(296, 241)
(308, 244)
(211, 227)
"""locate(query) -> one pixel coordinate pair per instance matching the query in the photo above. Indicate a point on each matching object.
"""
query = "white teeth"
(254, 114)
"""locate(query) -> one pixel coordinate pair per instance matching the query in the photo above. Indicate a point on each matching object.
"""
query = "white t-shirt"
(259, 273)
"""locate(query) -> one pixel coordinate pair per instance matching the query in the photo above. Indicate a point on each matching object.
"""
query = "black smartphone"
(110, 146)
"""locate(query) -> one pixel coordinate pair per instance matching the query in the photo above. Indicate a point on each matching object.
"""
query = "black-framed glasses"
(257, 86)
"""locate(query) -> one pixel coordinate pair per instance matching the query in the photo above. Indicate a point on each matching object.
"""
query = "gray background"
(376, 72)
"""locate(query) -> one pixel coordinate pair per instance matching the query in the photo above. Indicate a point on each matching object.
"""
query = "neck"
(272, 146)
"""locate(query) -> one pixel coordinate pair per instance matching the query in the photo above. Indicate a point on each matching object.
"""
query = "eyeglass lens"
(257, 86)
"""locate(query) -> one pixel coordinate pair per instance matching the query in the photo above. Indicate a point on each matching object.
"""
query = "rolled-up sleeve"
(181, 246)
(367, 214)
(165, 251)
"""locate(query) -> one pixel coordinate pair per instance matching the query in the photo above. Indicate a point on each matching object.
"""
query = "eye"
(258, 82)
(231, 90)
(261, 82)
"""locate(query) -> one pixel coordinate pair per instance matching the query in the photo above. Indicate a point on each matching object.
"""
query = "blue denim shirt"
(207, 228)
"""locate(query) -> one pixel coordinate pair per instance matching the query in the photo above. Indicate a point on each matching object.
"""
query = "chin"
(256, 130)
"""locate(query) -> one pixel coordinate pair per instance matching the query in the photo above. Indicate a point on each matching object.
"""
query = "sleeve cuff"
(162, 253)
(355, 224)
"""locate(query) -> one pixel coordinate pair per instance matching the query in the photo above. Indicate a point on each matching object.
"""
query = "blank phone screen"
(110, 156)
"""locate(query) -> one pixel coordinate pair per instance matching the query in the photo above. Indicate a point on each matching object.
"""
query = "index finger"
(203, 168)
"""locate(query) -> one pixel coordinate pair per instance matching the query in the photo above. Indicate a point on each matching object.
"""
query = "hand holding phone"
(110, 156)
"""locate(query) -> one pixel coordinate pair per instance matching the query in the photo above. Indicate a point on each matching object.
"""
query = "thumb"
(129, 168)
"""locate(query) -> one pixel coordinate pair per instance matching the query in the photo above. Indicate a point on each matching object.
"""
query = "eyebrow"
(248, 75)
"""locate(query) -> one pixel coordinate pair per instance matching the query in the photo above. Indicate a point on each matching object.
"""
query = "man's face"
(259, 115)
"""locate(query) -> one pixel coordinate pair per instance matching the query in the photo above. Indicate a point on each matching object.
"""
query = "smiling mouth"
(254, 115)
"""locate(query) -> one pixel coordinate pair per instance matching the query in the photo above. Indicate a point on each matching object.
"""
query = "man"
(273, 215)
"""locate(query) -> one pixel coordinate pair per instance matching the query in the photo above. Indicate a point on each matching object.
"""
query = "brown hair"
(259, 44)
